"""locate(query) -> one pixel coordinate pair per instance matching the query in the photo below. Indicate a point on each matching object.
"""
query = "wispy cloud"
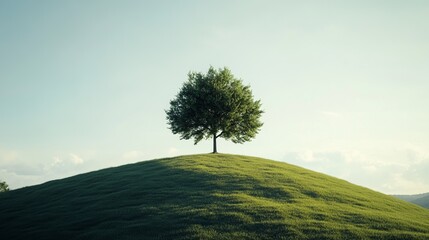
(62, 162)
(330, 114)
(403, 171)
(172, 151)
(7, 156)
(20, 170)
(10, 161)
(133, 155)
(75, 159)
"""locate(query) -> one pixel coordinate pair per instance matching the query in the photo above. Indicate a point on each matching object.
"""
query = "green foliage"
(207, 197)
(4, 187)
(214, 105)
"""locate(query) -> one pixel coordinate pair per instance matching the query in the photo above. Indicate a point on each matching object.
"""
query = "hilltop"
(211, 196)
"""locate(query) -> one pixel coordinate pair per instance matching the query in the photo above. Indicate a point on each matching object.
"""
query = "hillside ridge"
(207, 196)
(421, 199)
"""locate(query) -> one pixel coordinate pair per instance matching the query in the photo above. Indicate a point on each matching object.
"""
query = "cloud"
(401, 171)
(132, 155)
(330, 114)
(11, 161)
(62, 163)
(15, 180)
(75, 159)
(24, 169)
(7, 156)
(62, 166)
(403, 181)
(173, 151)
(416, 154)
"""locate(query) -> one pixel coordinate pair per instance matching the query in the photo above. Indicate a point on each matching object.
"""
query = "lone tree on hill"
(215, 105)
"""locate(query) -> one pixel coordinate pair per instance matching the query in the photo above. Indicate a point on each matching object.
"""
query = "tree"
(214, 105)
(4, 187)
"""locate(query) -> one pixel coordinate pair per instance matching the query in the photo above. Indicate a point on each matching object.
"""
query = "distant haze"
(344, 84)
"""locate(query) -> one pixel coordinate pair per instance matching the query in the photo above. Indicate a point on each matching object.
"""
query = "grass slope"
(207, 197)
(419, 199)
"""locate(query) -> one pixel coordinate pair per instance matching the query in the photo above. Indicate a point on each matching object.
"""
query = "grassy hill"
(419, 199)
(423, 201)
(212, 196)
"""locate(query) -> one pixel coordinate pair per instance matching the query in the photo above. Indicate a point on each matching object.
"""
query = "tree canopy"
(213, 105)
(3, 187)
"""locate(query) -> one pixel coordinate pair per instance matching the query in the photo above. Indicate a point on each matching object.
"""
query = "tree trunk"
(214, 143)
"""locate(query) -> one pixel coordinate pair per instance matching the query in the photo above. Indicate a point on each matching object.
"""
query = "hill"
(423, 201)
(212, 196)
(419, 199)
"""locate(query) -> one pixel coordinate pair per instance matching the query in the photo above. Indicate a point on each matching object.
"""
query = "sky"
(84, 85)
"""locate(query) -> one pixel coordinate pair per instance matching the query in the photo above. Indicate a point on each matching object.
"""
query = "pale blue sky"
(344, 84)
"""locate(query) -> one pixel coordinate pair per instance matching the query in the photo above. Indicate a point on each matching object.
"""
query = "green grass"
(211, 196)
